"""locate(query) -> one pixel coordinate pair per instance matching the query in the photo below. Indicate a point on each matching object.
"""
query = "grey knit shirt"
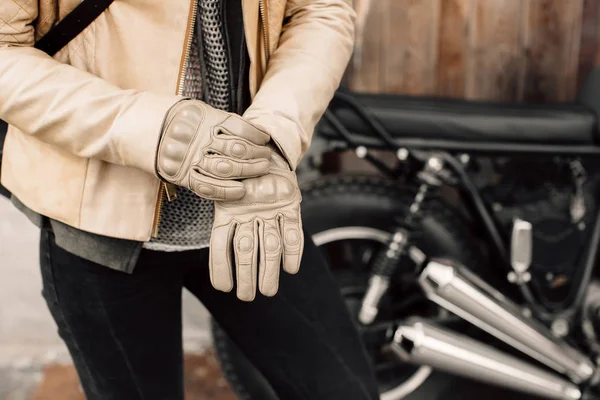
(186, 222)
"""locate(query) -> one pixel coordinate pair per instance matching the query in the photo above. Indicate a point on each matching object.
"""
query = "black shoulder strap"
(71, 25)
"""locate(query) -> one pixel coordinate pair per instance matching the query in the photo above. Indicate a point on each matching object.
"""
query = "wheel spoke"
(353, 252)
(367, 255)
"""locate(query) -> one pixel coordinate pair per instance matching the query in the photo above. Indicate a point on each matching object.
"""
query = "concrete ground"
(29, 344)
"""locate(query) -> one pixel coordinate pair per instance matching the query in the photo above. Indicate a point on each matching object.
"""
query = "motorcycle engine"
(558, 199)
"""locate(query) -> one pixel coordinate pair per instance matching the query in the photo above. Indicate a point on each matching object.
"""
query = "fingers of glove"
(245, 246)
(269, 258)
(227, 168)
(238, 126)
(220, 256)
(233, 146)
(215, 189)
(293, 243)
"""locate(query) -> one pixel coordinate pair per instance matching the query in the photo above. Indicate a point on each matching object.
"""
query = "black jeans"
(124, 332)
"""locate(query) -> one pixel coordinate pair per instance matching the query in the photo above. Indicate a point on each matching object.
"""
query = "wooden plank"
(411, 46)
(453, 42)
(552, 41)
(495, 60)
(589, 43)
(536, 50)
(573, 26)
(364, 71)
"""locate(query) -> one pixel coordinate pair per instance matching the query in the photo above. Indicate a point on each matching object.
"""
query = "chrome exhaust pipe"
(461, 292)
(422, 343)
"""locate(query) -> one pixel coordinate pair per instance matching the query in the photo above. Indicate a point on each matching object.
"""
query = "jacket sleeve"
(304, 72)
(69, 108)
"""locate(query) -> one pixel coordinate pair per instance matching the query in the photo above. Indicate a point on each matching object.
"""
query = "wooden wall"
(509, 50)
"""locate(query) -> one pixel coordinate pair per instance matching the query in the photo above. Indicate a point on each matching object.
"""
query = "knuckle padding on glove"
(270, 257)
(292, 237)
(239, 149)
(246, 259)
(215, 189)
(233, 146)
(293, 243)
(219, 167)
(209, 191)
(176, 140)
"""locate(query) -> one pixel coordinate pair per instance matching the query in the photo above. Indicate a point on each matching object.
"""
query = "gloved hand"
(259, 233)
(205, 149)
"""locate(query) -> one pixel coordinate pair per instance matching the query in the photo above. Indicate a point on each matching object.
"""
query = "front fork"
(388, 258)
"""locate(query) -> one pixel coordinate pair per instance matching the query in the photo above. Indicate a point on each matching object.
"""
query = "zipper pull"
(171, 191)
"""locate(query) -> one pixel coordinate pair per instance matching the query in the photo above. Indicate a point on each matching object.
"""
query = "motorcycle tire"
(370, 202)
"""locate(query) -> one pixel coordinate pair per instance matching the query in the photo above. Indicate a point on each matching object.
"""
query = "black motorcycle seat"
(473, 121)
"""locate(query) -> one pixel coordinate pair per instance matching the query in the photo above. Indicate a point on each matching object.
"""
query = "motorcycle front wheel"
(350, 218)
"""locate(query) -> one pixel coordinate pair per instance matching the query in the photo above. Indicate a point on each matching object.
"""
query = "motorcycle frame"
(418, 149)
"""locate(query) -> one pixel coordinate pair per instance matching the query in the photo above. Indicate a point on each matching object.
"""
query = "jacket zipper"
(264, 19)
(166, 189)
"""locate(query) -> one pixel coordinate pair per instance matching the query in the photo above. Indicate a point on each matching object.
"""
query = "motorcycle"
(469, 262)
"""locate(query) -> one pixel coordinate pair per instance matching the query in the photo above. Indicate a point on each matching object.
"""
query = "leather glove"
(205, 150)
(258, 234)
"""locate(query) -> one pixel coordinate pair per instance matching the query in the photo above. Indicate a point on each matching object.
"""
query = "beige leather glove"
(205, 149)
(258, 234)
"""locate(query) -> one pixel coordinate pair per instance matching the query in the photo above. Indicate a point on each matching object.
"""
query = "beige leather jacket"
(74, 118)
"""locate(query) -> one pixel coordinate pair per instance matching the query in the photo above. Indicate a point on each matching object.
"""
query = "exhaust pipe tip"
(573, 393)
(437, 273)
(406, 340)
(585, 369)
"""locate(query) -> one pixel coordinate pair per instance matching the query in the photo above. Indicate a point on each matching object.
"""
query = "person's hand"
(258, 234)
(207, 150)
